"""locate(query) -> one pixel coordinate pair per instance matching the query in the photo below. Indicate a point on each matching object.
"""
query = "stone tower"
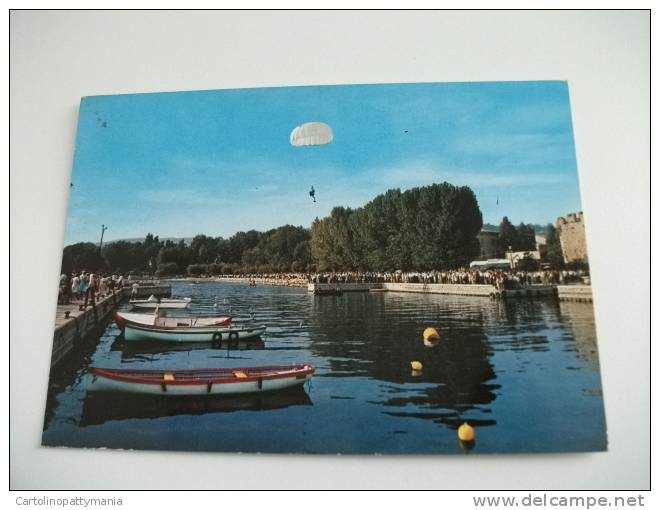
(572, 238)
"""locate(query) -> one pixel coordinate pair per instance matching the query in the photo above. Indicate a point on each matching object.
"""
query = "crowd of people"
(497, 277)
(84, 288)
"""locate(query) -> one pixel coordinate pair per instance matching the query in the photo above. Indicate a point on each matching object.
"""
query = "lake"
(523, 373)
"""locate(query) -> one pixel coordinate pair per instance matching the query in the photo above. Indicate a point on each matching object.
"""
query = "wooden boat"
(149, 319)
(206, 381)
(163, 303)
(217, 335)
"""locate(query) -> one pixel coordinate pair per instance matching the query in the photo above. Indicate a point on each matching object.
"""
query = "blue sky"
(216, 162)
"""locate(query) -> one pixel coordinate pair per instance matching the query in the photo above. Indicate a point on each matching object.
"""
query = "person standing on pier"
(90, 291)
(75, 286)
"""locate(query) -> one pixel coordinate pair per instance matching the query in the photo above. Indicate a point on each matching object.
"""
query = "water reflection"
(130, 351)
(580, 317)
(99, 408)
(456, 377)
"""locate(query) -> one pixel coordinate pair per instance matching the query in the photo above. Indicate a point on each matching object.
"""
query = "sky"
(217, 162)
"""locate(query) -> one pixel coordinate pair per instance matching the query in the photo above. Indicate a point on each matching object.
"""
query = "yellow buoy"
(431, 335)
(466, 433)
(416, 365)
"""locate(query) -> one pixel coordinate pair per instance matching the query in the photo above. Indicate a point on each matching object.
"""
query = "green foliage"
(553, 254)
(82, 256)
(423, 228)
(197, 269)
(526, 238)
(511, 238)
(167, 269)
(275, 250)
(508, 235)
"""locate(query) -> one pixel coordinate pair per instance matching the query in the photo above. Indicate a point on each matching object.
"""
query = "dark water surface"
(523, 373)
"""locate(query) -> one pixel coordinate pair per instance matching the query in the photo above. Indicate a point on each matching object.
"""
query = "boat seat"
(168, 377)
(239, 374)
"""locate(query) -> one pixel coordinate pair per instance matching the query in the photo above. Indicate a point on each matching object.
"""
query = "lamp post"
(510, 257)
(103, 229)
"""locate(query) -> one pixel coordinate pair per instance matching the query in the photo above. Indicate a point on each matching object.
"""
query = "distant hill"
(539, 230)
(186, 240)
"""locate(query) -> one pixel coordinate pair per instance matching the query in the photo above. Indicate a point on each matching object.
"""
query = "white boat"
(217, 335)
(208, 381)
(163, 303)
(150, 319)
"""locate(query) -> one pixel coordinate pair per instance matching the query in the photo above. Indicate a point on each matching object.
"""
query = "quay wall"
(530, 291)
(428, 288)
(575, 293)
(344, 287)
(80, 324)
(578, 292)
(441, 288)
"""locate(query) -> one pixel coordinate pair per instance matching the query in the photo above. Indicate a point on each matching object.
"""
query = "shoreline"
(578, 292)
(275, 282)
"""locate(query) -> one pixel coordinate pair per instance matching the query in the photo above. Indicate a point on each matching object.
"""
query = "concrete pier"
(343, 287)
(441, 288)
(575, 293)
(424, 288)
(81, 324)
(531, 291)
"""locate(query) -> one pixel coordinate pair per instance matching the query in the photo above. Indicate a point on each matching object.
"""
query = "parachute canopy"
(311, 133)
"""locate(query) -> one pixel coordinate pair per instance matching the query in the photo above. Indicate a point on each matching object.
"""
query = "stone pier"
(575, 293)
(531, 291)
(74, 326)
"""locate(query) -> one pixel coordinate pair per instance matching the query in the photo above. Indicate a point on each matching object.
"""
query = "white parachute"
(311, 133)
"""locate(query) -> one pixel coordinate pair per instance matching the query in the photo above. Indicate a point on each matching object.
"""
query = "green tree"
(423, 228)
(120, 256)
(197, 269)
(167, 269)
(526, 240)
(508, 235)
(82, 257)
(553, 255)
(202, 249)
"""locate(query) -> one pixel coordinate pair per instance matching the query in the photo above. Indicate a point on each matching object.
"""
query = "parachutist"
(312, 193)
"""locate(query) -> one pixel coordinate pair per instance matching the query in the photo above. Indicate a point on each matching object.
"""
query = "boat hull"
(163, 304)
(220, 336)
(151, 320)
(224, 384)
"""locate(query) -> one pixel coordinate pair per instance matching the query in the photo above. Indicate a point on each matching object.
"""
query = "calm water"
(524, 373)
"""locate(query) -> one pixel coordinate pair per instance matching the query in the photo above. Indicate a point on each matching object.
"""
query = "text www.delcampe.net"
(546, 500)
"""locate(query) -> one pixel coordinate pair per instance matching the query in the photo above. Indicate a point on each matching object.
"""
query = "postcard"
(360, 269)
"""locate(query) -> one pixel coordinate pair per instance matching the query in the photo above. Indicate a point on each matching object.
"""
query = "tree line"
(278, 250)
(424, 228)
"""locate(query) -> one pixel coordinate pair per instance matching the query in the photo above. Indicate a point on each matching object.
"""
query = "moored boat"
(162, 303)
(217, 335)
(207, 381)
(150, 319)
